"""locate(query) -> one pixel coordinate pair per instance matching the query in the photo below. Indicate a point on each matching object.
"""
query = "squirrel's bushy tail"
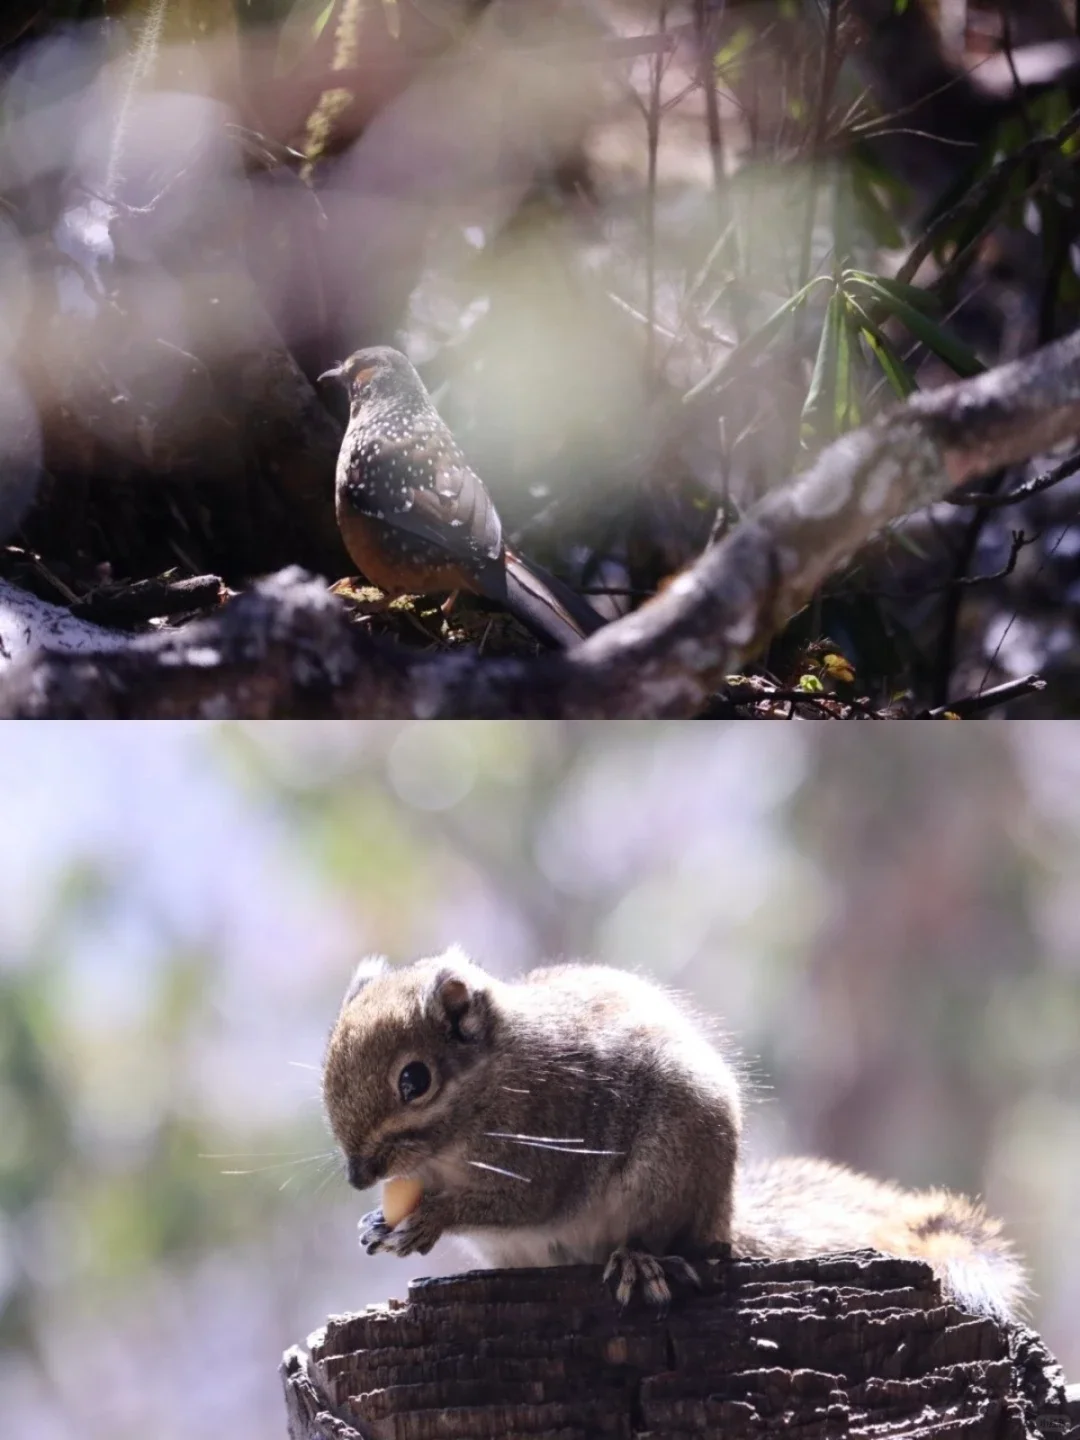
(796, 1208)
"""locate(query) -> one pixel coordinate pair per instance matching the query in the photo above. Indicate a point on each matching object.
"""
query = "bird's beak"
(337, 372)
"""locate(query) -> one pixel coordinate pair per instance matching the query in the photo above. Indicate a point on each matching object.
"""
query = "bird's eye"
(414, 1081)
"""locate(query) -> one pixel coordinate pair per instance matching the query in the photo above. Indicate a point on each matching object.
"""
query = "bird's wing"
(434, 495)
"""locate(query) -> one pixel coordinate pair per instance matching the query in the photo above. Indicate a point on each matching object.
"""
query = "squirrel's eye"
(414, 1081)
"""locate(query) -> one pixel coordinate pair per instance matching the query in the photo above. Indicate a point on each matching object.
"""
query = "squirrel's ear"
(368, 969)
(457, 998)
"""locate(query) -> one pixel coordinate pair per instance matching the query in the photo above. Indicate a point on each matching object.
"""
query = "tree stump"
(836, 1347)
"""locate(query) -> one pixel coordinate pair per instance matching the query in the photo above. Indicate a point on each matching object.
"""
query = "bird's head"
(378, 373)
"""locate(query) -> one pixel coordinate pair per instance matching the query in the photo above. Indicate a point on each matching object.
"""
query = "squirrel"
(583, 1114)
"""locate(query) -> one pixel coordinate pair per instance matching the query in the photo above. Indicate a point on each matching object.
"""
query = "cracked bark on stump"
(853, 1345)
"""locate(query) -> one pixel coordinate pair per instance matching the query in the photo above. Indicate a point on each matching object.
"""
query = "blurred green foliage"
(889, 931)
(105, 1163)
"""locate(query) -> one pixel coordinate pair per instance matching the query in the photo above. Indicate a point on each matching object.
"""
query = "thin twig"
(143, 58)
(1018, 542)
(763, 690)
(1031, 487)
(652, 124)
(705, 26)
(986, 699)
(829, 70)
(616, 590)
(977, 195)
(1044, 559)
(1018, 89)
(954, 593)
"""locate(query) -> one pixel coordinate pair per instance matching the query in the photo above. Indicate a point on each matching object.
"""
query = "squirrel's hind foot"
(630, 1270)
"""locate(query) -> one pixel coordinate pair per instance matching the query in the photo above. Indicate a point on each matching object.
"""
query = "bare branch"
(985, 700)
(1062, 471)
(995, 180)
(287, 647)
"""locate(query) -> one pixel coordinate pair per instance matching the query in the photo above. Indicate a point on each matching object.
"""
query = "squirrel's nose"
(360, 1172)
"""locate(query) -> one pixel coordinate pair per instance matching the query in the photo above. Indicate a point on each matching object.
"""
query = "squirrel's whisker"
(498, 1170)
(573, 1149)
(538, 1139)
(281, 1165)
(293, 1155)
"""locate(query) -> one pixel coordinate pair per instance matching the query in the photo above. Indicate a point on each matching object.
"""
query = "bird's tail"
(550, 609)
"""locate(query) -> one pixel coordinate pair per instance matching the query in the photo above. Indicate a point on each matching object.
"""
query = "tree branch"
(286, 648)
(985, 700)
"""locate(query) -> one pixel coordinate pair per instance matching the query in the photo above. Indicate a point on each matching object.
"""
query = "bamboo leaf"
(892, 367)
(921, 299)
(954, 352)
(822, 396)
(846, 408)
(756, 342)
(303, 25)
(877, 216)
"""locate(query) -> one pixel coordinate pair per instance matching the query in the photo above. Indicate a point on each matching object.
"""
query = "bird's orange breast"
(396, 561)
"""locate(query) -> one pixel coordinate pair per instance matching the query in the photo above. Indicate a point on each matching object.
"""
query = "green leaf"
(726, 61)
(910, 294)
(954, 352)
(756, 342)
(875, 214)
(831, 405)
(893, 368)
(724, 238)
(320, 22)
(846, 410)
(910, 544)
(821, 398)
(302, 27)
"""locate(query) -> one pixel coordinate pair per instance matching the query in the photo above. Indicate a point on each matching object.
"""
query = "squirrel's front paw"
(374, 1232)
(416, 1234)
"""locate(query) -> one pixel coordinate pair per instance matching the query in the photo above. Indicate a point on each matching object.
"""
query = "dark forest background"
(651, 257)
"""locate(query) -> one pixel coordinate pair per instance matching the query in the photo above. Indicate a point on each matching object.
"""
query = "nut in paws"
(416, 1234)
